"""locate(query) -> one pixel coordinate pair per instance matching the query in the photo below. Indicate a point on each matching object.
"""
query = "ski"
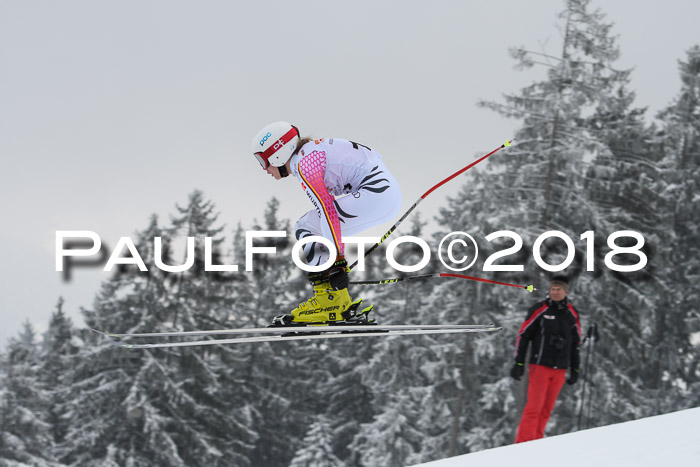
(305, 328)
(294, 333)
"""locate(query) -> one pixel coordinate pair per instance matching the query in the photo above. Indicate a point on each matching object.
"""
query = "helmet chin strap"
(283, 170)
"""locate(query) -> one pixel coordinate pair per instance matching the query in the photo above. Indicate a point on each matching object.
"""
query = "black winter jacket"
(555, 332)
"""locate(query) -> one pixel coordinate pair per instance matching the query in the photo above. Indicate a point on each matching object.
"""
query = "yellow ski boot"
(331, 302)
(327, 305)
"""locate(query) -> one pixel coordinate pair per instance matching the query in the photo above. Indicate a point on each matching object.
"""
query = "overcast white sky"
(112, 111)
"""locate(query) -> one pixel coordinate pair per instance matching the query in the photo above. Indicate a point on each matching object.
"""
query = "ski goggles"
(264, 156)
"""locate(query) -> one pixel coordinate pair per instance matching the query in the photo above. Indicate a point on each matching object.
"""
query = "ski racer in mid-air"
(350, 189)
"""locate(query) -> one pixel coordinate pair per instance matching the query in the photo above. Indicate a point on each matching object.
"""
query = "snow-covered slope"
(671, 439)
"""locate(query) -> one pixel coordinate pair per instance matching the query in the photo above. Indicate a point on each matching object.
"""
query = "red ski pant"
(543, 389)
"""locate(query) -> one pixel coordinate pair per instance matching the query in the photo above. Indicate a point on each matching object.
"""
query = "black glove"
(338, 274)
(573, 376)
(517, 371)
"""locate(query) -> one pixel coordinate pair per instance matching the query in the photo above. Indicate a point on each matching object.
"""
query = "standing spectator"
(553, 328)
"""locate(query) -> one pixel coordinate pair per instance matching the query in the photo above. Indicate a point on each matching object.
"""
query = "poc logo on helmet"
(265, 138)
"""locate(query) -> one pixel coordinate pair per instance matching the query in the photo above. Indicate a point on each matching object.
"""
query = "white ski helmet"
(275, 144)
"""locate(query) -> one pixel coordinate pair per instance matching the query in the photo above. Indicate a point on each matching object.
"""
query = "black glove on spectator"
(573, 376)
(517, 371)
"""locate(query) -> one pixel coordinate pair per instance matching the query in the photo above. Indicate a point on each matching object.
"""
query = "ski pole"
(459, 172)
(529, 288)
(592, 330)
(585, 377)
(595, 338)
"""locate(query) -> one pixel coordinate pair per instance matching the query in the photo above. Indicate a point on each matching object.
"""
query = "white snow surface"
(648, 442)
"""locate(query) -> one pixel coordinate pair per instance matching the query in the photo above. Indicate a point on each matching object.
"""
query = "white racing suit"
(350, 188)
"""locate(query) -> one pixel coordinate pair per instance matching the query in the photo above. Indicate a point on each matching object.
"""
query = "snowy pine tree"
(569, 121)
(157, 406)
(59, 346)
(25, 431)
(678, 379)
(350, 404)
(316, 450)
(281, 381)
(400, 372)
(623, 187)
(483, 407)
(392, 439)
